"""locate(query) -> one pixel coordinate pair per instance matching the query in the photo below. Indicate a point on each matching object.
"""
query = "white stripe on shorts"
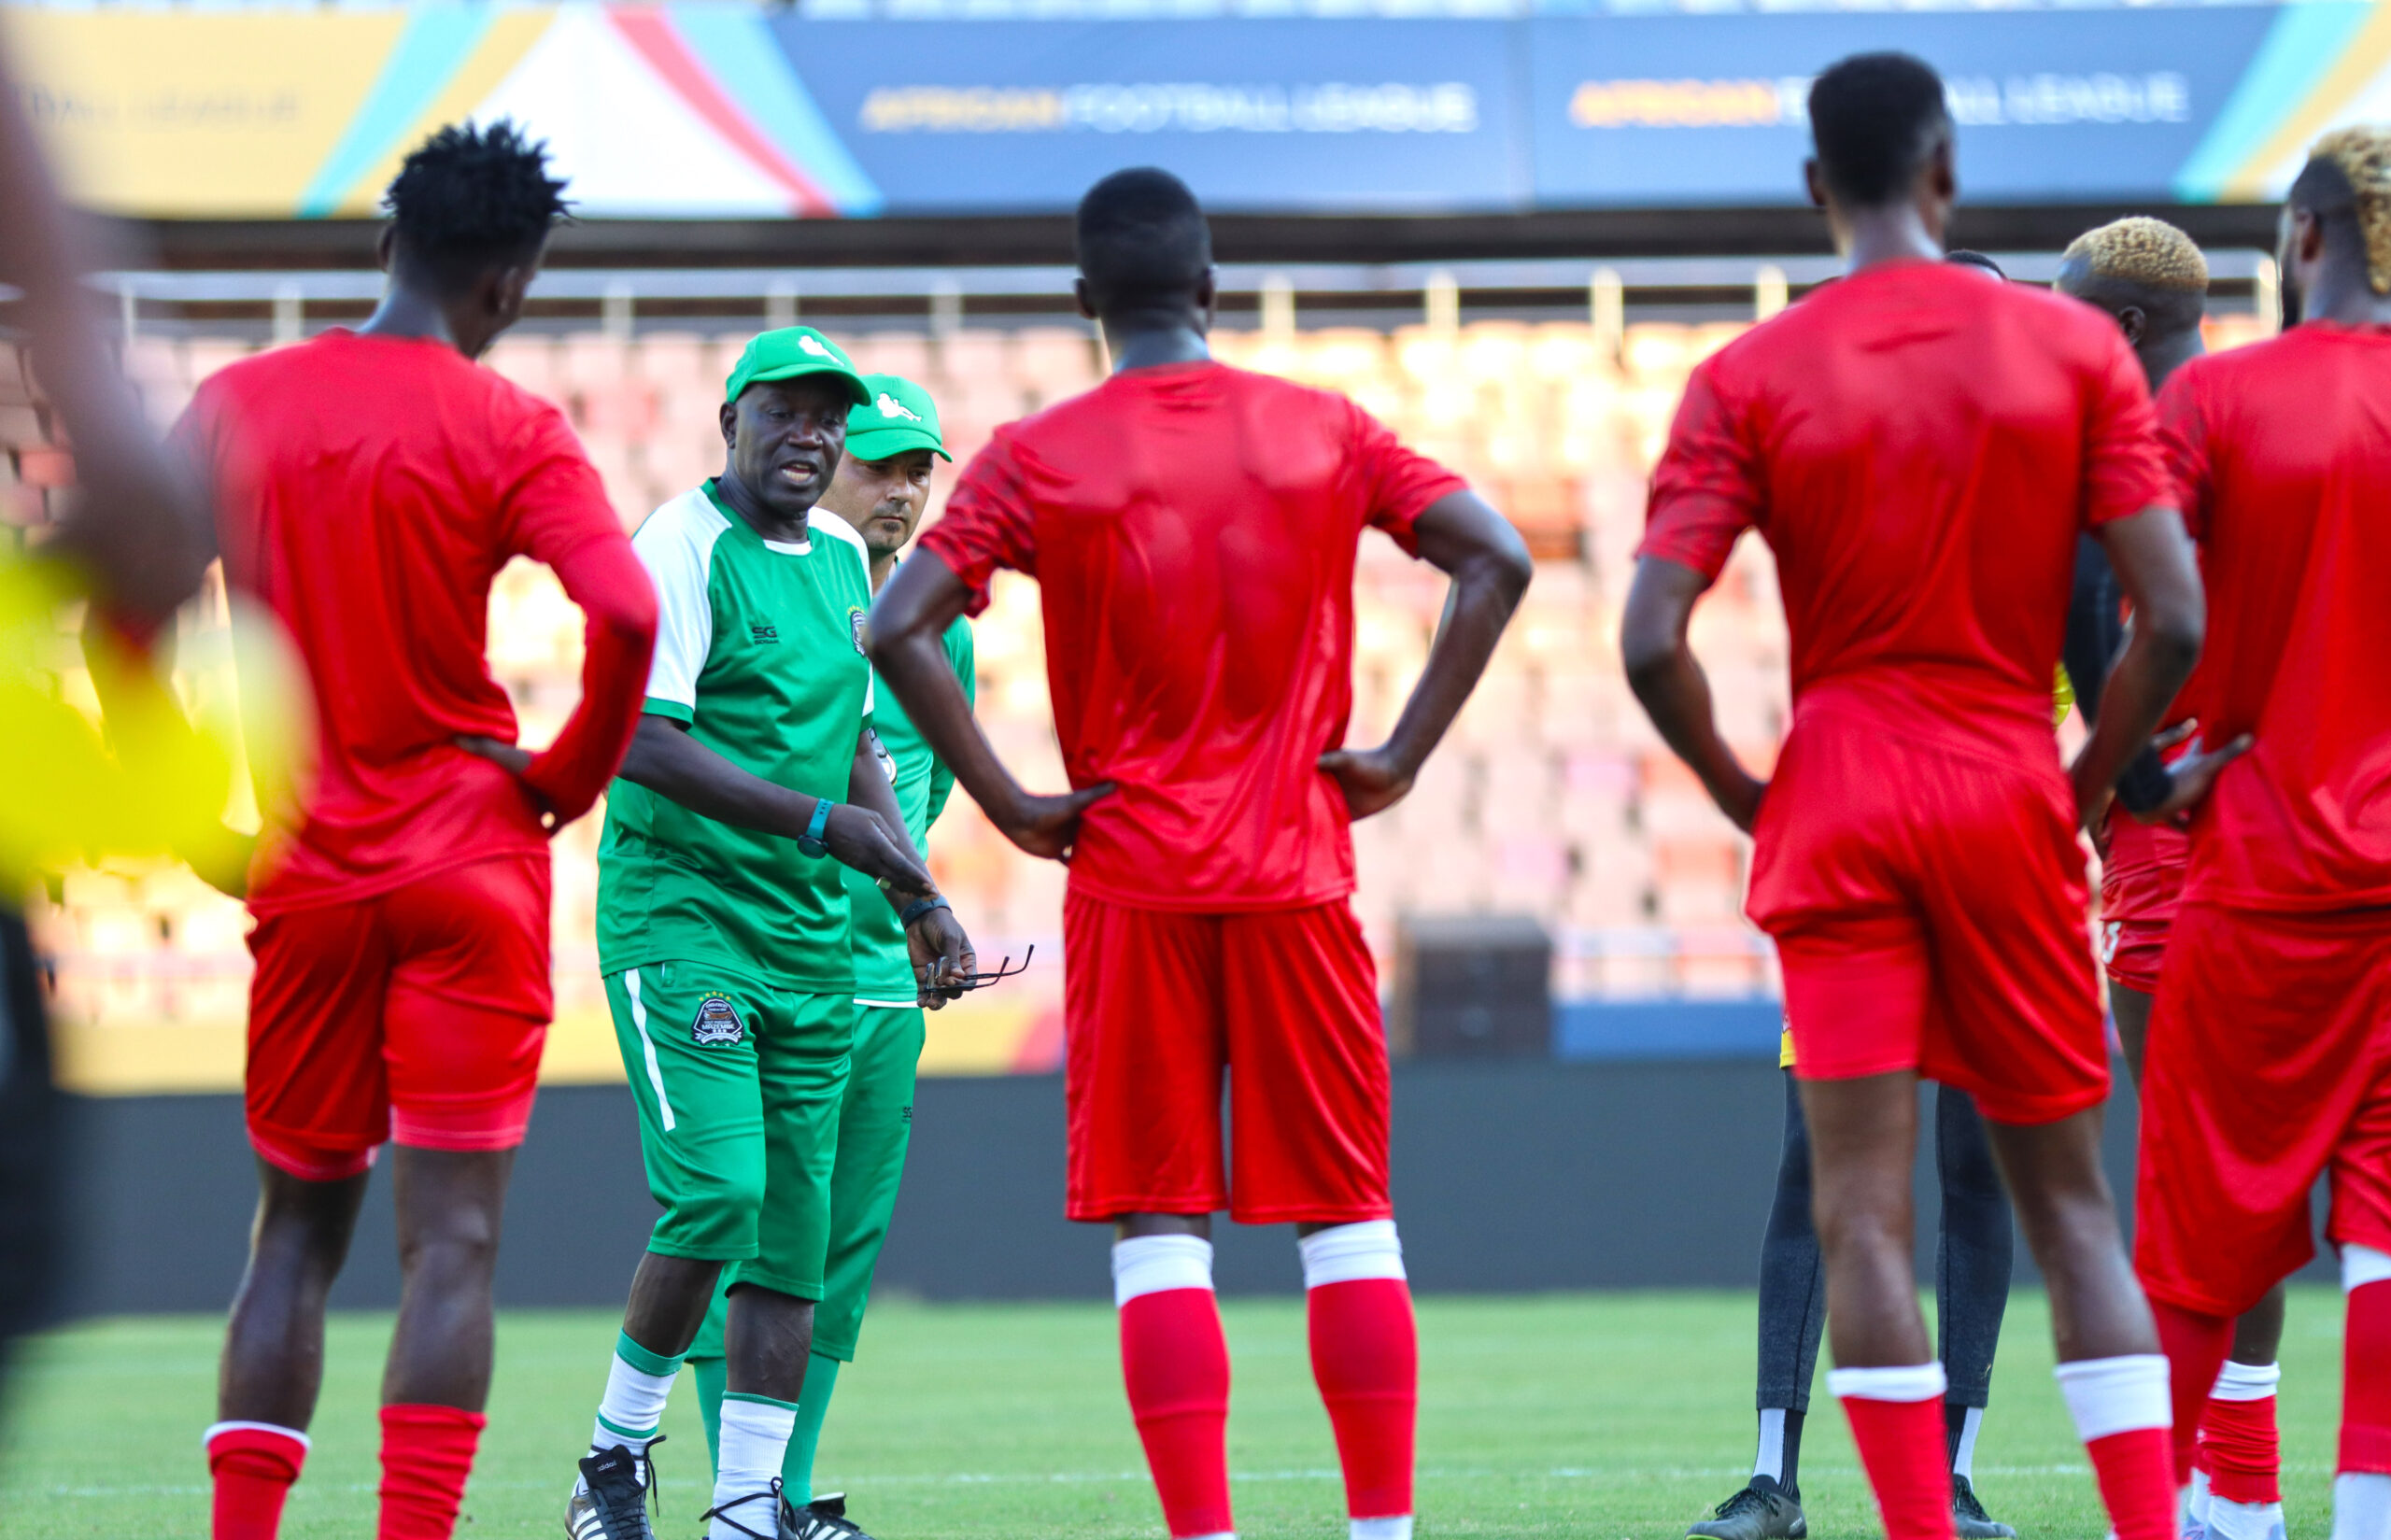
(655, 1070)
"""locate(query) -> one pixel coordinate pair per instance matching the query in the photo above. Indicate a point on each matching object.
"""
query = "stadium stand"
(1636, 875)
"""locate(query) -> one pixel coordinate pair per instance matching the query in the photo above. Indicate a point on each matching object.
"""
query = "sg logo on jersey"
(855, 627)
(718, 1024)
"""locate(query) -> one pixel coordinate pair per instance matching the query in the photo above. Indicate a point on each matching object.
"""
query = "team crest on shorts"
(717, 1024)
(855, 627)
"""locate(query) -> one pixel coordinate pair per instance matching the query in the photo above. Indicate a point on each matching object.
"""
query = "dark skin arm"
(942, 953)
(1461, 536)
(906, 636)
(1674, 692)
(668, 762)
(866, 832)
(2152, 556)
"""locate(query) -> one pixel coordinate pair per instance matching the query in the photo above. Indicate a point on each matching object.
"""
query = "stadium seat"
(1553, 795)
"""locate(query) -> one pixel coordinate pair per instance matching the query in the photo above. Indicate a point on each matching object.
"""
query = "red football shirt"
(1919, 446)
(367, 491)
(2283, 452)
(1193, 530)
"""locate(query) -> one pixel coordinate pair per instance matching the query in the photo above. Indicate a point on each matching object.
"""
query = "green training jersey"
(760, 652)
(884, 968)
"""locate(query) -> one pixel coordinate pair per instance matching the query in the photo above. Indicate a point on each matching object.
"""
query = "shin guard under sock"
(1175, 1363)
(252, 1466)
(1366, 1359)
(1897, 1421)
(427, 1454)
(2121, 1411)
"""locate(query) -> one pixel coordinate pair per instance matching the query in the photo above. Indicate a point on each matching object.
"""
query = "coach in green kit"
(882, 489)
(754, 785)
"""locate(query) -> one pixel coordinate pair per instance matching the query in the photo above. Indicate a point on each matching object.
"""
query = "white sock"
(1894, 1382)
(1964, 1464)
(2115, 1395)
(1345, 1253)
(1152, 1264)
(2362, 1505)
(2197, 1502)
(2232, 1520)
(755, 1441)
(2246, 1381)
(1770, 1460)
(1383, 1529)
(632, 1407)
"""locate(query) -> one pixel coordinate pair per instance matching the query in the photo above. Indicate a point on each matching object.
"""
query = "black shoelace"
(643, 1473)
(1749, 1497)
(723, 1512)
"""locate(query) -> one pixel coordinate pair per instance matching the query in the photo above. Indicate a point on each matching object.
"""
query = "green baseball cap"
(790, 353)
(899, 416)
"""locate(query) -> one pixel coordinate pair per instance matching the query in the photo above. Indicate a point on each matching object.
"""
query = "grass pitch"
(1616, 1416)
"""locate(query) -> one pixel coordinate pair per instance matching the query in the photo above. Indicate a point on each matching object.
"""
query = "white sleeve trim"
(677, 546)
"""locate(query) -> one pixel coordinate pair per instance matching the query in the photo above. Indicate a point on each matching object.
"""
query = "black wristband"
(918, 907)
(2147, 784)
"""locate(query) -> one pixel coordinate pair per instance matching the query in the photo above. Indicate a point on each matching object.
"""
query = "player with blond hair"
(2269, 1060)
(2152, 279)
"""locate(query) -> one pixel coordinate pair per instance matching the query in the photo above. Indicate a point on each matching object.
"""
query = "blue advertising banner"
(723, 108)
(1298, 114)
(2081, 105)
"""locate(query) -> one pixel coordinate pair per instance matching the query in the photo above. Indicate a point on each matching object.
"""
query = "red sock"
(427, 1453)
(252, 1465)
(2120, 1406)
(2135, 1470)
(1902, 1447)
(1176, 1363)
(2195, 1345)
(1366, 1358)
(2366, 1381)
(2240, 1451)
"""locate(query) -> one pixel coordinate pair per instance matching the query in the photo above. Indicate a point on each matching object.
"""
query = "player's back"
(368, 490)
(2285, 450)
(1194, 529)
(1919, 446)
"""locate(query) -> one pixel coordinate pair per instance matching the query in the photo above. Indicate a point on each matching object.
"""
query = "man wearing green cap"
(724, 934)
(881, 489)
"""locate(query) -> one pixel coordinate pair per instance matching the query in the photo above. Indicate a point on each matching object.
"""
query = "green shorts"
(739, 1087)
(876, 1121)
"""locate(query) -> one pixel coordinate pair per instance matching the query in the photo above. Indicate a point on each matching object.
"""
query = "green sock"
(797, 1466)
(713, 1375)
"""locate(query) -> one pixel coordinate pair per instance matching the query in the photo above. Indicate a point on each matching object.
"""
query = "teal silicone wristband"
(810, 840)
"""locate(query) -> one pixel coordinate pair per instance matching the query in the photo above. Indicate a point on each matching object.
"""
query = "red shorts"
(2142, 875)
(2269, 1065)
(417, 1014)
(1929, 911)
(1157, 1004)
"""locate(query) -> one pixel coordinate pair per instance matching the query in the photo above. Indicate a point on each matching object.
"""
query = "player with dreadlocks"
(2269, 1060)
(2151, 277)
(369, 484)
